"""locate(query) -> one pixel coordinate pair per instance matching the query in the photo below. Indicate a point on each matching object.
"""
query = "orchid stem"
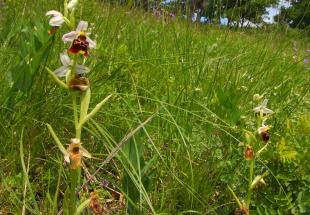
(235, 196)
(75, 173)
(251, 172)
(74, 179)
(75, 113)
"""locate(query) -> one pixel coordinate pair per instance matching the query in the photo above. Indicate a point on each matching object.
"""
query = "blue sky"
(272, 11)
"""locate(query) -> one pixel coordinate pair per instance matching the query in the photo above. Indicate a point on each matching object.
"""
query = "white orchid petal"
(69, 37)
(53, 13)
(80, 69)
(75, 141)
(67, 158)
(264, 104)
(263, 108)
(257, 109)
(82, 26)
(262, 129)
(266, 110)
(56, 21)
(85, 152)
(61, 71)
(65, 60)
(92, 44)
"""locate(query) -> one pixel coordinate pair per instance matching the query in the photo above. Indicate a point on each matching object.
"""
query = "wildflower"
(75, 152)
(72, 4)
(94, 204)
(79, 83)
(263, 132)
(57, 18)
(262, 109)
(249, 153)
(80, 41)
(67, 65)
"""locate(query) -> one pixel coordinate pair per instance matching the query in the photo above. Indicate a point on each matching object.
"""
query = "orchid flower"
(79, 83)
(264, 128)
(263, 131)
(67, 65)
(57, 18)
(249, 153)
(75, 152)
(263, 108)
(79, 39)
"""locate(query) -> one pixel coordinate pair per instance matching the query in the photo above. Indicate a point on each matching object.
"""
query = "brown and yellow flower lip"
(265, 136)
(264, 132)
(75, 152)
(79, 83)
(79, 45)
(80, 42)
(249, 153)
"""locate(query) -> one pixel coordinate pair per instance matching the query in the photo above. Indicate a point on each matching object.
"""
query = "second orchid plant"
(71, 76)
(252, 151)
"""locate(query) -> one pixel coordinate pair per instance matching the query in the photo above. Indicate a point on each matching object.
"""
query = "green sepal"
(59, 144)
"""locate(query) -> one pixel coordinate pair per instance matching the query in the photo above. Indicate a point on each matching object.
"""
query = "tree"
(296, 16)
(241, 11)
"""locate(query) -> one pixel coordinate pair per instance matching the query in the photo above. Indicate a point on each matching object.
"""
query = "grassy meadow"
(198, 83)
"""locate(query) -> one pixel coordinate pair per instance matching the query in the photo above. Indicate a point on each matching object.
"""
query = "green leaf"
(82, 207)
(59, 144)
(94, 111)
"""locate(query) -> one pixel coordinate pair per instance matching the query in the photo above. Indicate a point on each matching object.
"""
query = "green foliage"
(298, 15)
(240, 10)
(200, 80)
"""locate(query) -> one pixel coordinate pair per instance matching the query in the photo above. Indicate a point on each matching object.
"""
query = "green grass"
(198, 80)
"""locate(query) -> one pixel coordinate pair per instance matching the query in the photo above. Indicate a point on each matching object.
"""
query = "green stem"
(74, 181)
(65, 8)
(251, 173)
(75, 114)
(73, 72)
(235, 196)
(78, 132)
(72, 18)
(74, 100)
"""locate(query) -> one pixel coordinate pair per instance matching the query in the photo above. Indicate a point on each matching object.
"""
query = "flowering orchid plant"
(251, 153)
(71, 76)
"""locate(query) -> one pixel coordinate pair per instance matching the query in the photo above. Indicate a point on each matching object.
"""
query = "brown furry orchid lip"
(79, 83)
(79, 46)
